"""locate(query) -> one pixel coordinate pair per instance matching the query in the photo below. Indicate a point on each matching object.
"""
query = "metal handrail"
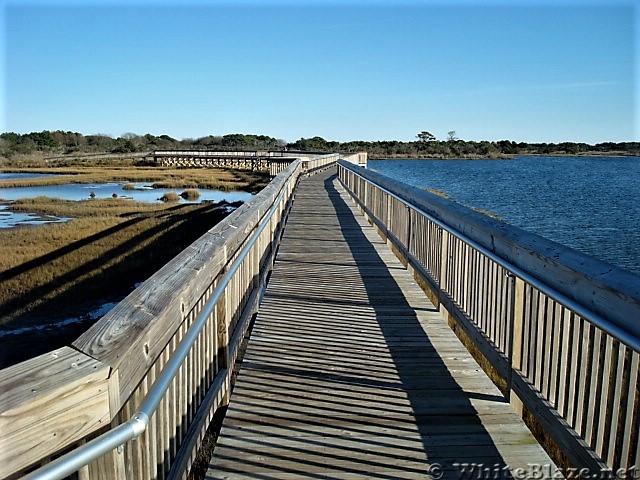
(612, 329)
(132, 428)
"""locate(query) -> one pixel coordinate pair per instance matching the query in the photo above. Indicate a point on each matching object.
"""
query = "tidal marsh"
(55, 271)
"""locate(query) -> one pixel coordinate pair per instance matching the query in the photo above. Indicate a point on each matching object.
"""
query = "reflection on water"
(141, 193)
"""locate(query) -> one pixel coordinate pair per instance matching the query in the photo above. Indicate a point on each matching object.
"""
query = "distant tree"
(426, 137)
(209, 141)
(43, 139)
(237, 140)
(100, 142)
(507, 147)
(451, 136)
(312, 144)
(569, 148)
(123, 146)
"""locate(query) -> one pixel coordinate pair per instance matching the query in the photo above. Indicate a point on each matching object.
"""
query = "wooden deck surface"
(350, 372)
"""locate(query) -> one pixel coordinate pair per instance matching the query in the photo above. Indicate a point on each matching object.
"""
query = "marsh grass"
(57, 271)
(159, 177)
(190, 194)
(170, 197)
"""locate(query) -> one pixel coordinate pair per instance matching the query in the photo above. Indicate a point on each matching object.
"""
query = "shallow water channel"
(142, 192)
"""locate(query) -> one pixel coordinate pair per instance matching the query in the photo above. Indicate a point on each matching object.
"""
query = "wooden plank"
(49, 402)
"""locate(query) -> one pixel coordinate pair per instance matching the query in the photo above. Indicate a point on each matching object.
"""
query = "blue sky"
(519, 70)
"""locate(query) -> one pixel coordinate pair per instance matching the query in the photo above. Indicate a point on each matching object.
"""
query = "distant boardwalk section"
(272, 161)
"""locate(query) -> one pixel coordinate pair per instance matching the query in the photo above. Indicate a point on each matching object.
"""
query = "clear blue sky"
(531, 70)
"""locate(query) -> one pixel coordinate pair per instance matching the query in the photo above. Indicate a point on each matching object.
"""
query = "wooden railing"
(558, 329)
(256, 160)
(52, 405)
(97, 156)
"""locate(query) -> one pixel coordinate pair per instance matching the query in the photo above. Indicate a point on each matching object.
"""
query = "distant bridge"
(363, 293)
(272, 161)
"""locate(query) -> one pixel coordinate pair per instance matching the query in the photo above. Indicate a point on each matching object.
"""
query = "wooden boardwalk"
(350, 372)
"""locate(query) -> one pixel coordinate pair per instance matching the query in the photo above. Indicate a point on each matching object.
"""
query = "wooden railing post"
(516, 336)
(408, 245)
(223, 314)
(443, 273)
(388, 209)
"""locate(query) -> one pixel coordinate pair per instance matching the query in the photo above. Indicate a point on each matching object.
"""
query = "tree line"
(426, 145)
(61, 142)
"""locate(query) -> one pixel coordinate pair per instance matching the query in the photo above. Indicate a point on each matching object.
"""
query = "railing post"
(408, 245)
(516, 316)
(511, 290)
(444, 262)
(387, 223)
(222, 313)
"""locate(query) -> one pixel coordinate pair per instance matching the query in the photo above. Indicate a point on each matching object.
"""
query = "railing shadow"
(445, 413)
(175, 229)
(340, 379)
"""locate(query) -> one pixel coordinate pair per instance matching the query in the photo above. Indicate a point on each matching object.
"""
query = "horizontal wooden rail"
(557, 328)
(57, 402)
(256, 160)
(97, 156)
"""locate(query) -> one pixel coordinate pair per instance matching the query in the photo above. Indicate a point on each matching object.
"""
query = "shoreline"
(509, 157)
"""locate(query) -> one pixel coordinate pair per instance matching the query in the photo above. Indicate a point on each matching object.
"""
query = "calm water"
(14, 176)
(142, 193)
(589, 203)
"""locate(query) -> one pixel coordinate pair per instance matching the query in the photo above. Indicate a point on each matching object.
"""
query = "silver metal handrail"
(137, 424)
(612, 329)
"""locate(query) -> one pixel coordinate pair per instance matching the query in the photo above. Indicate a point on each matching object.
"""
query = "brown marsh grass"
(60, 270)
(170, 197)
(159, 177)
(190, 194)
(56, 271)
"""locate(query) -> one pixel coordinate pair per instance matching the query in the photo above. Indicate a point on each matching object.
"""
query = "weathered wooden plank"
(49, 402)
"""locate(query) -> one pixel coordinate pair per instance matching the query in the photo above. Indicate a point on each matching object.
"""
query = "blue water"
(14, 176)
(77, 191)
(591, 204)
(142, 193)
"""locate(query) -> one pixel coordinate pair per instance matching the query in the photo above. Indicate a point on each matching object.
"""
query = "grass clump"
(128, 186)
(170, 197)
(190, 194)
